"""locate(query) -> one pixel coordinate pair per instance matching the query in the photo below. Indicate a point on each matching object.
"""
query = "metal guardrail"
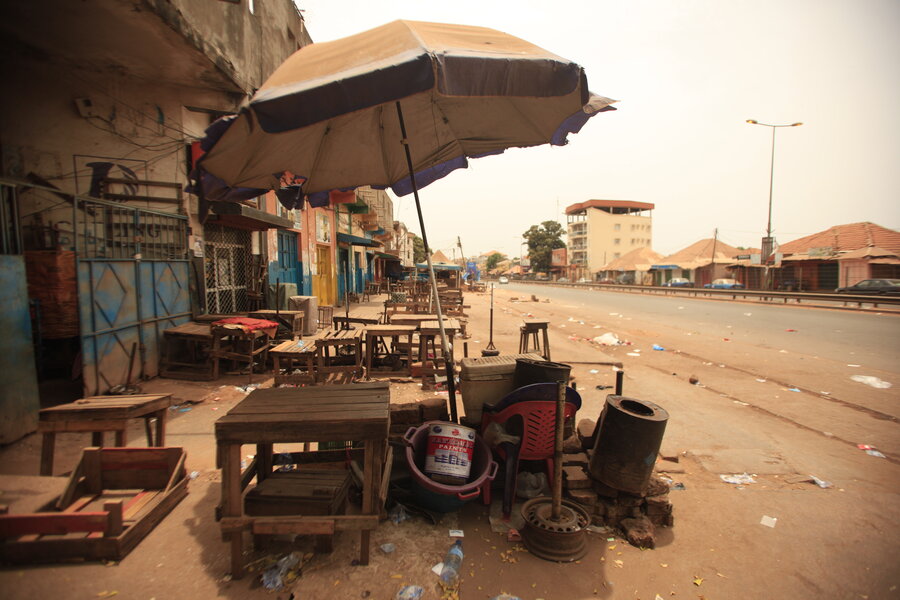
(830, 299)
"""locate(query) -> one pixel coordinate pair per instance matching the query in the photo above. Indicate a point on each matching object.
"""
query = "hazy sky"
(687, 74)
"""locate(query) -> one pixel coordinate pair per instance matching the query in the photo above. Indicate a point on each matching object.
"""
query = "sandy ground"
(840, 542)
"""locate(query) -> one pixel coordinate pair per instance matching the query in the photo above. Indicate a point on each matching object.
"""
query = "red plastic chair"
(538, 440)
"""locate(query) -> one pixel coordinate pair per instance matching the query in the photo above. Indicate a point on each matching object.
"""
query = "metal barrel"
(628, 440)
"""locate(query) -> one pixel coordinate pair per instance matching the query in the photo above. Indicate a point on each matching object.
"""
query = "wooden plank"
(300, 403)
(177, 471)
(315, 432)
(341, 522)
(81, 503)
(137, 503)
(249, 473)
(52, 523)
(92, 473)
(301, 528)
(156, 510)
(55, 549)
(293, 418)
(114, 524)
(300, 413)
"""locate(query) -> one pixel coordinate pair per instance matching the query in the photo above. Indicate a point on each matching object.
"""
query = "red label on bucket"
(450, 450)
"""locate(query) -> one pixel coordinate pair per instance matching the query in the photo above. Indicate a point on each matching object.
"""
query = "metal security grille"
(227, 269)
(119, 232)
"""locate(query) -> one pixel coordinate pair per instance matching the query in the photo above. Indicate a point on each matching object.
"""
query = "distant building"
(701, 262)
(600, 231)
(839, 256)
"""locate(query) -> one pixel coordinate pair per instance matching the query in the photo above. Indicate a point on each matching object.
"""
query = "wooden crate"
(305, 492)
(114, 497)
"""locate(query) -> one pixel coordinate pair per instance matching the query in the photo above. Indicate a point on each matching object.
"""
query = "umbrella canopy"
(398, 106)
(327, 118)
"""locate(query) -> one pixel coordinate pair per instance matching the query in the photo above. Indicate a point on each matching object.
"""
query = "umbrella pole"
(448, 355)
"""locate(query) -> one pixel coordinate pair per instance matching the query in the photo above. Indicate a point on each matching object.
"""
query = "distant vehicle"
(725, 284)
(542, 277)
(625, 279)
(563, 280)
(890, 287)
(503, 280)
(584, 280)
(679, 282)
(606, 280)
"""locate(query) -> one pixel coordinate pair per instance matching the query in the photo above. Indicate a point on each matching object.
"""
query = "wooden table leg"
(122, 436)
(161, 427)
(546, 345)
(231, 503)
(148, 431)
(48, 443)
(368, 500)
(263, 461)
(370, 343)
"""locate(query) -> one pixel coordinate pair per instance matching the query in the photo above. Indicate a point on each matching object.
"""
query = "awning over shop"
(441, 267)
(241, 216)
(386, 256)
(356, 240)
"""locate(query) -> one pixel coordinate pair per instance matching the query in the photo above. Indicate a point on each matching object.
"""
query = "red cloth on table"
(247, 324)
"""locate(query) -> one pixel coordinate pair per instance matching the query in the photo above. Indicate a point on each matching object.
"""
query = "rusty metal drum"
(628, 440)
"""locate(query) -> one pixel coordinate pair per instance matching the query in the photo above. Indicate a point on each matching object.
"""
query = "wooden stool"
(291, 356)
(530, 340)
(346, 344)
(326, 314)
(429, 331)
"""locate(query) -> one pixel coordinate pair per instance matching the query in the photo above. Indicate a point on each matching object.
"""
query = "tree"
(542, 241)
(493, 259)
(418, 250)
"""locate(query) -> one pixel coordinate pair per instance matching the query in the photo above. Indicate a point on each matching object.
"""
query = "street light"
(767, 242)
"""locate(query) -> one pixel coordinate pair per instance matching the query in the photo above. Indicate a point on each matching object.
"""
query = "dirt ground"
(839, 542)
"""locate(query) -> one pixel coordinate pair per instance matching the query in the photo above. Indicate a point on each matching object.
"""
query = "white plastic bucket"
(448, 455)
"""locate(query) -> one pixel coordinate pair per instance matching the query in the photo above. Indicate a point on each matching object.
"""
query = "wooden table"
(361, 316)
(292, 319)
(357, 411)
(376, 336)
(330, 345)
(194, 340)
(237, 345)
(411, 319)
(98, 414)
(290, 355)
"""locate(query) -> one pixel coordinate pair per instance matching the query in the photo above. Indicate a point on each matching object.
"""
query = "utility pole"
(715, 243)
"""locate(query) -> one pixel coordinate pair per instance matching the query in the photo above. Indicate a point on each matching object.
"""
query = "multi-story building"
(600, 231)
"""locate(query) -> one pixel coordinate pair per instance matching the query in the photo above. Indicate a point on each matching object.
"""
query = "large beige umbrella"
(406, 97)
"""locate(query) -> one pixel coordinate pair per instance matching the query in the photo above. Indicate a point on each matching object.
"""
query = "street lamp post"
(768, 241)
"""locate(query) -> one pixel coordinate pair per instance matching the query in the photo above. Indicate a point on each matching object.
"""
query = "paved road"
(852, 337)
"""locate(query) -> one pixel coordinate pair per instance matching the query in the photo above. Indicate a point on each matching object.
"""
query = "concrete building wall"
(612, 236)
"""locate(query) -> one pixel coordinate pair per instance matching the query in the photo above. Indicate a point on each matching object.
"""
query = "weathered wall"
(19, 401)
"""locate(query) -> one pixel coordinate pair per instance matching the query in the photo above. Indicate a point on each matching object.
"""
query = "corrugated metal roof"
(700, 254)
(845, 238)
(639, 259)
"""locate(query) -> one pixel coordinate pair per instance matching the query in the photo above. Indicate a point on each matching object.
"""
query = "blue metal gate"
(133, 283)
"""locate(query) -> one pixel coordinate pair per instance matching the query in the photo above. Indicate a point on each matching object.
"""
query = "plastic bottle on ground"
(452, 563)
